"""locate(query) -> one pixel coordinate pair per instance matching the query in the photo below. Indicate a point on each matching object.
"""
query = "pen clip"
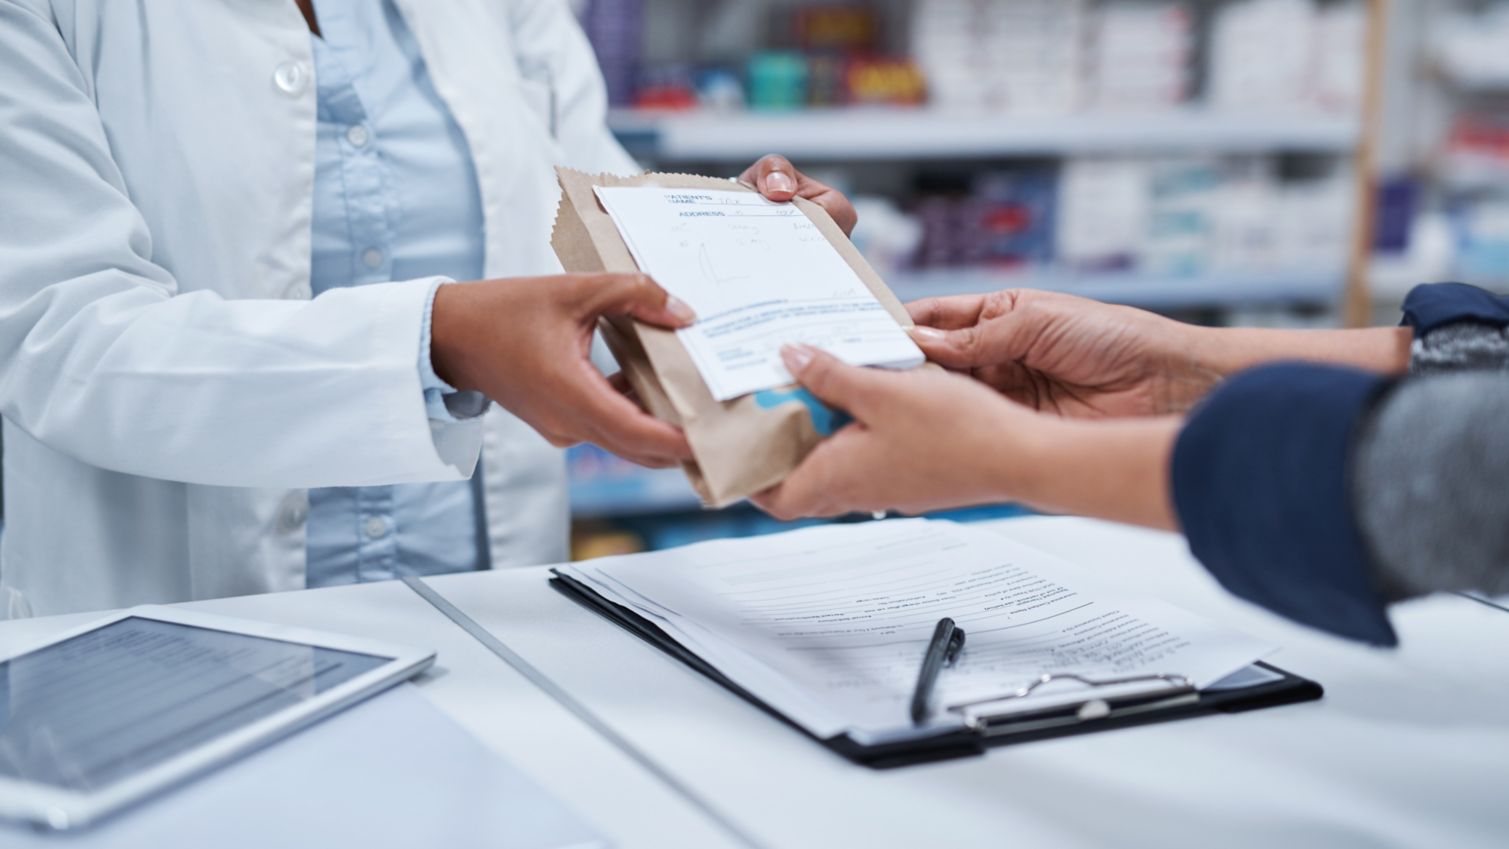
(955, 647)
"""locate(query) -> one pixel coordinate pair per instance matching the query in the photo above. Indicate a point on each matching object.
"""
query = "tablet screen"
(88, 711)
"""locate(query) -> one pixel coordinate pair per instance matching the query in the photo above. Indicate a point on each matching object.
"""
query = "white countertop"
(1409, 747)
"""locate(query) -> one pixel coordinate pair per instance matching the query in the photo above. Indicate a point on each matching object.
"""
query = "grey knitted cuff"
(1465, 346)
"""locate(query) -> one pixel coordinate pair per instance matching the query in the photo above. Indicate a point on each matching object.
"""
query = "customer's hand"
(921, 440)
(524, 343)
(777, 179)
(926, 440)
(1067, 355)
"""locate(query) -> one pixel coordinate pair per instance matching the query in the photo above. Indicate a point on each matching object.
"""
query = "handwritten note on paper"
(760, 275)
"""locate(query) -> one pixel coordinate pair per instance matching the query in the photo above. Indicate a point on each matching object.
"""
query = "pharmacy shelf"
(935, 133)
(640, 493)
(1149, 291)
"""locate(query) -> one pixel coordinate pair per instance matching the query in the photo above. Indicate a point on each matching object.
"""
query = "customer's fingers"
(819, 486)
(1003, 339)
(947, 313)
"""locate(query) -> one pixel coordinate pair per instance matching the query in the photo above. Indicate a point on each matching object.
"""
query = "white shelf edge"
(1214, 289)
(879, 133)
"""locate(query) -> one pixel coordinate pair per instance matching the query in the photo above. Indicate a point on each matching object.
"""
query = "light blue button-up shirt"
(395, 198)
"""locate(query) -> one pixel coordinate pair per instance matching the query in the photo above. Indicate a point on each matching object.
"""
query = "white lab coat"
(168, 385)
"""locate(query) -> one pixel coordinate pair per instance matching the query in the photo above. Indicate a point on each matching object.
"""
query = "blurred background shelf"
(1316, 288)
(849, 134)
(1283, 162)
(619, 489)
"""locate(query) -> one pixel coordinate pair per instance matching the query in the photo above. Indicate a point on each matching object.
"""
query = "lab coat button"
(357, 135)
(372, 257)
(291, 78)
(375, 527)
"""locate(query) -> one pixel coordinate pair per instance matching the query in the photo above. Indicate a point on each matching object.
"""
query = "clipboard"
(1178, 700)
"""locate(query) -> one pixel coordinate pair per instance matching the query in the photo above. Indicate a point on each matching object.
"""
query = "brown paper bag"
(741, 446)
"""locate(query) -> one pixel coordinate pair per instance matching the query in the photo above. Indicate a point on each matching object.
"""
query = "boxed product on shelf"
(1185, 216)
(1006, 219)
(616, 30)
(1315, 220)
(1017, 55)
(1481, 228)
(1340, 56)
(1102, 206)
(1287, 54)
(1260, 53)
(1468, 45)
(1183, 204)
(1139, 55)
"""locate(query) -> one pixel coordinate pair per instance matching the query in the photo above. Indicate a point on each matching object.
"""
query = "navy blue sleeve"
(1261, 488)
(1438, 304)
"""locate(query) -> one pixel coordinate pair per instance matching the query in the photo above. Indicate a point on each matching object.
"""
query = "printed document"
(759, 275)
(828, 625)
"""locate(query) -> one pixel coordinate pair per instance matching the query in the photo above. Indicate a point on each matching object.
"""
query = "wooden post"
(1358, 304)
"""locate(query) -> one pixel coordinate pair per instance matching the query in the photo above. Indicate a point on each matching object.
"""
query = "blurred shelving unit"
(711, 85)
(1316, 287)
(919, 134)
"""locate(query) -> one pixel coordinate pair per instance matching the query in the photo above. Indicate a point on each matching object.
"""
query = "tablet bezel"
(60, 809)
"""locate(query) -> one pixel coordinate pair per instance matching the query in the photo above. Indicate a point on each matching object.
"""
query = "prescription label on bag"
(759, 275)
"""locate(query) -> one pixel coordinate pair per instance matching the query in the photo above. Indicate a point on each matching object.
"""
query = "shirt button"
(357, 135)
(375, 527)
(295, 512)
(372, 257)
(291, 78)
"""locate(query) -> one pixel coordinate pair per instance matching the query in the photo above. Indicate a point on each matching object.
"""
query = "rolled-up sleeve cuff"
(1261, 487)
(442, 401)
(1436, 305)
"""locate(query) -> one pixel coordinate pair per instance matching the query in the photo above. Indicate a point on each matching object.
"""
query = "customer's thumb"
(829, 378)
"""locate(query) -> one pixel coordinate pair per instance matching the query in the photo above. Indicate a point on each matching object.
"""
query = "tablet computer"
(109, 713)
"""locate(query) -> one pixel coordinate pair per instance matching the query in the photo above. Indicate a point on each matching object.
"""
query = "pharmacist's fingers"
(777, 179)
(773, 176)
(619, 425)
(832, 200)
(852, 389)
(620, 383)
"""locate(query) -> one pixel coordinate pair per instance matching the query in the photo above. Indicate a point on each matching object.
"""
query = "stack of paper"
(759, 275)
(828, 625)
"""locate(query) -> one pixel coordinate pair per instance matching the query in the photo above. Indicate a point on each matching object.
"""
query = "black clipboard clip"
(1168, 691)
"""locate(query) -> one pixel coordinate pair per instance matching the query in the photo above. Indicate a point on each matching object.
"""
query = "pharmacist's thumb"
(639, 296)
(833, 381)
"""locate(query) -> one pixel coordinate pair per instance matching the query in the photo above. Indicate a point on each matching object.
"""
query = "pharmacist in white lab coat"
(178, 181)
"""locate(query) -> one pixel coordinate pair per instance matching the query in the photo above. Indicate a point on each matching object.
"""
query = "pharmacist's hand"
(1066, 355)
(777, 179)
(921, 440)
(524, 343)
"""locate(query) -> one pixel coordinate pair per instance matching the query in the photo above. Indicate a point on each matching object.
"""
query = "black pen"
(942, 650)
